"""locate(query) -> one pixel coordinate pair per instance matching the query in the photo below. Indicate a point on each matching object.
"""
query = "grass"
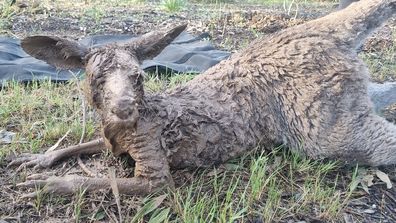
(96, 13)
(78, 203)
(6, 14)
(382, 64)
(173, 5)
(253, 188)
(41, 114)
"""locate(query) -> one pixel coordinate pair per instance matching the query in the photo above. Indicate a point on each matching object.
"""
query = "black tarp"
(186, 53)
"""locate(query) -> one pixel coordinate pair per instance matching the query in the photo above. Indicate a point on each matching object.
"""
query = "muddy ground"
(231, 27)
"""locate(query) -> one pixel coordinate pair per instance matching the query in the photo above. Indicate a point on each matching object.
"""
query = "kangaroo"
(303, 87)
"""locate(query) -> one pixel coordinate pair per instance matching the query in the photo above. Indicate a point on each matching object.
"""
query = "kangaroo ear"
(61, 53)
(151, 44)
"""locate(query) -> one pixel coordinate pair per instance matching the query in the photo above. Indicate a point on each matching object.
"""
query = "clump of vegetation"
(382, 63)
(173, 5)
(6, 13)
(40, 114)
(95, 13)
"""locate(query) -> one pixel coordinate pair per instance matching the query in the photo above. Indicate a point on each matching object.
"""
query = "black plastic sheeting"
(186, 54)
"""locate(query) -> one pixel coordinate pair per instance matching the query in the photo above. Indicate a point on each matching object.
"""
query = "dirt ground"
(230, 27)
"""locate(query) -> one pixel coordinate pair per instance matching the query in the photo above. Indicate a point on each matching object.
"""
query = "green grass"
(6, 13)
(214, 1)
(288, 2)
(253, 187)
(78, 203)
(173, 5)
(382, 64)
(40, 114)
(96, 13)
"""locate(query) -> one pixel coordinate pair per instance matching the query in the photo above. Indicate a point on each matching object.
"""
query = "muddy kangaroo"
(303, 87)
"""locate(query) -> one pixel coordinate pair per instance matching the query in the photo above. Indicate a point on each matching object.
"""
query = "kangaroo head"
(114, 79)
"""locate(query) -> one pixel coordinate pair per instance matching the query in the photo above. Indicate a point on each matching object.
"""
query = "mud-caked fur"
(303, 87)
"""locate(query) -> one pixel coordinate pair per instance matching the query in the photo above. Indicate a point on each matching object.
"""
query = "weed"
(78, 202)
(96, 13)
(38, 201)
(7, 11)
(150, 206)
(173, 5)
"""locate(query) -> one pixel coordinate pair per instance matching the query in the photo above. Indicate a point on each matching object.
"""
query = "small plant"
(151, 207)
(38, 201)
(6, 13)
(95, 13)
(173, 5)
(78, 203)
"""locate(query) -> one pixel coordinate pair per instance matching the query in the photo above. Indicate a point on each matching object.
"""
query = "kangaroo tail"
(352, 25)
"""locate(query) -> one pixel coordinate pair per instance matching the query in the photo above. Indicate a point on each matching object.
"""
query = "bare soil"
(237, 23)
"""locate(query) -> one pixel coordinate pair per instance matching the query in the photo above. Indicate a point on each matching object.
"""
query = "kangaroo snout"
(124, 108)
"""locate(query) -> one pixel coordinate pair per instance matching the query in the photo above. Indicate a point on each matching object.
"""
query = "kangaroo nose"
(123, 109)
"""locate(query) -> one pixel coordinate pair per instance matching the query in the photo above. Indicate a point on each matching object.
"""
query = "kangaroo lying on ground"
(303, 87)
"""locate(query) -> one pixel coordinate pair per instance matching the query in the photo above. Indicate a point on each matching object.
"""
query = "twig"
(79, 161)
(56, 145)
(84, 111)
(109, 214)
(114, 188)
(85, 168)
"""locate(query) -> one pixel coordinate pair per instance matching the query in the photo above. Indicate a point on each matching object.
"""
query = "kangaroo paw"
(48, 159)
(35, 160)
